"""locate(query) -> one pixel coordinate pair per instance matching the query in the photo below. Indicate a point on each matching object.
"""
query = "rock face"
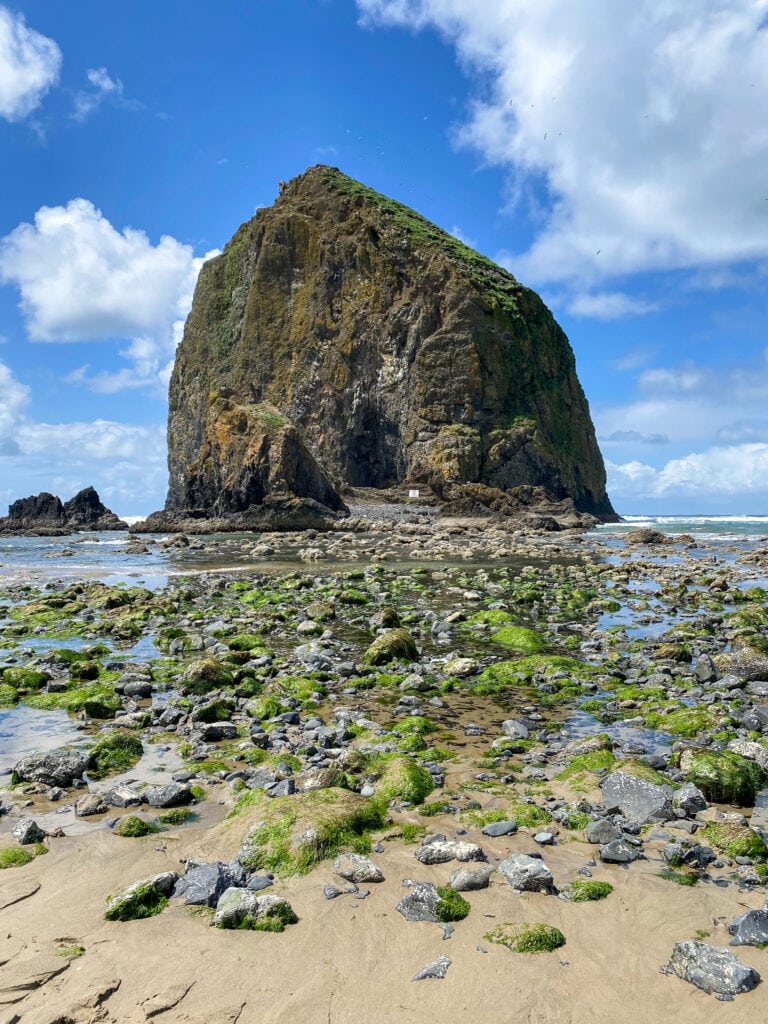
(45, 514)
(342, 337)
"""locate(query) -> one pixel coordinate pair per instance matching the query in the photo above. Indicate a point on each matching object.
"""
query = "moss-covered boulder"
(204, 676)
(392, 645)
(734, 840)
(516, 638)
(745, 660)
(252, 911)
(142, 899)
(290, 835)
(115, 752)
(723, 777)
(400, 778)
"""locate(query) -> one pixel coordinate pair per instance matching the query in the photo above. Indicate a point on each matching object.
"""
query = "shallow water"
(24, 729)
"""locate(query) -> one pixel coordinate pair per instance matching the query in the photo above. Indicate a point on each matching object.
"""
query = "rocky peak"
(391, 352)
(45, 514)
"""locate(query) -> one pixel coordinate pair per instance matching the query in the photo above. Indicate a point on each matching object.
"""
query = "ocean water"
(748, 528)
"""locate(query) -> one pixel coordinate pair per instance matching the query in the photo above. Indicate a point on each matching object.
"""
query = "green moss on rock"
(527, 938)
(724, 777)
(392, 645)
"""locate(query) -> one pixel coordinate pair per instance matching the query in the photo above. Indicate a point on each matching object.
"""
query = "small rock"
(470, 878)
(500, 828)
(27, 831)
(711, 969)
(356, 868)
(437, 969)
(529, 874)
(750, 929)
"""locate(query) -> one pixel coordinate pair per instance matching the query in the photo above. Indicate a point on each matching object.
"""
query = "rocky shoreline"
(528, 766)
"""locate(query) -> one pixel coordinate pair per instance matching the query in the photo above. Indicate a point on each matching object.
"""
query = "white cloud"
(634, 437)
(87, 101)
(29, 66)
(609, 306)
(123, 461)
(642, 119)
(81, 279)
(722, 471)
(692, 404)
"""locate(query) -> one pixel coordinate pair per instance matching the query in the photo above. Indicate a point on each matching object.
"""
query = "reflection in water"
(23, 729)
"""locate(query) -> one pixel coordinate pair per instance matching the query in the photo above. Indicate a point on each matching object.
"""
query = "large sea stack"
(343, 340)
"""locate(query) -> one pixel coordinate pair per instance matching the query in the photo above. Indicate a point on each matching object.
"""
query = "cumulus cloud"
(716, 472)
(87, 101)
(125, 461)
(29, 66)
(692, 404)
(642, 120)
(81, 279)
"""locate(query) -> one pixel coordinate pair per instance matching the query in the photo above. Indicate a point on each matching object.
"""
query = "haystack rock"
(343, 340)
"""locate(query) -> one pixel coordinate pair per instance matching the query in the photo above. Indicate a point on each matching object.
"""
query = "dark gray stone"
(355, 868)
(27, 831)
(750, 929)
(471, 877)
(500, 828)
(619, 852)
(175, 794)
(711, 968)
(216, 731)
(639, 801)
(58, 767)
(529, 874)
(690, 799)
(203, 884)
(602, 831)
(442, 852)
(420, 904)
(121, 796)
(258, 882)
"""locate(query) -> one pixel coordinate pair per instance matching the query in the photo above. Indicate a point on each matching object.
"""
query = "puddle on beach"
(24, 729)
(582, 725)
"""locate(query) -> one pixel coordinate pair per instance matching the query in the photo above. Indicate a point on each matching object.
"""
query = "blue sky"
(612, 154)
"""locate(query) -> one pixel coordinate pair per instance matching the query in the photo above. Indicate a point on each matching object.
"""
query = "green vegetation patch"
(686, 878)
(133, 827)
(9, 696)
(289, 835)
(586, 890)
(116, 752)
(70, 952)
(25, 678)
(97, 700)
(527, 641)
(451, 905)
(203, 676)
(594, 761)
(527, 938)
(735, 840)
(400, 778)
(178, 816)
(725, 777)
(682, 721)
(18, 856)
(140, 901)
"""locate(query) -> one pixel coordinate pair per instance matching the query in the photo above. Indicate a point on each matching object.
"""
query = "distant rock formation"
(44, 514)
(343, 340)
